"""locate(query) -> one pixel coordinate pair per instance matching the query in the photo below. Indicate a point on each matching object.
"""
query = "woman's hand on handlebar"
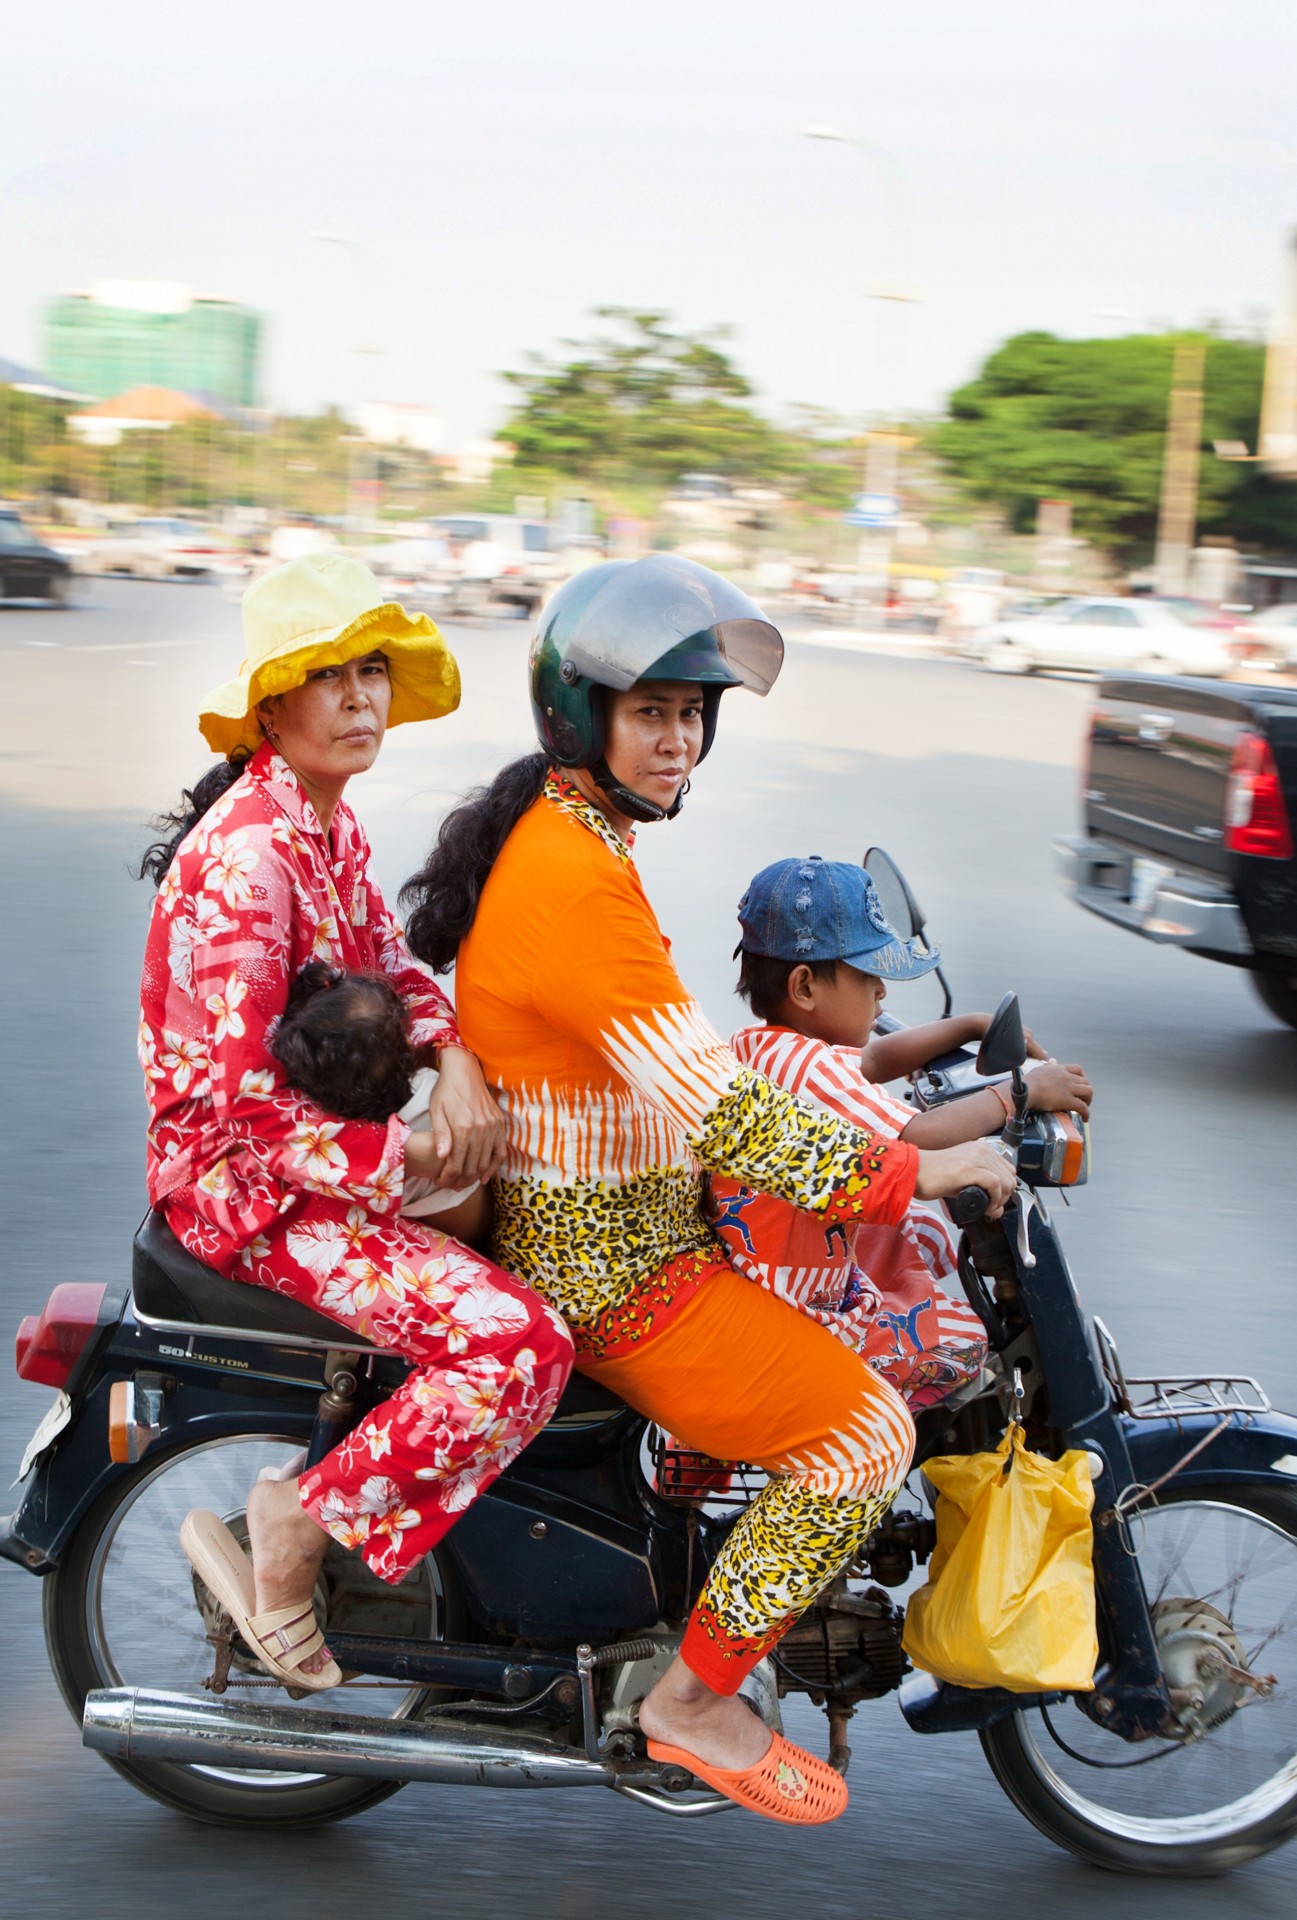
(944, 1170)
(1058, 1089)
(467, 1128)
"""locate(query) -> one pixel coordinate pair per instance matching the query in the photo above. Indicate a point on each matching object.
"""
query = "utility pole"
(1178, 515)
(1277, 442)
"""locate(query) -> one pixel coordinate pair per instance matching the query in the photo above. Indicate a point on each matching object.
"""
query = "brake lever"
(1026, 1201)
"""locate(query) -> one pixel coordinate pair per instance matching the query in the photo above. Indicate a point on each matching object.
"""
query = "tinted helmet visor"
(667, 618)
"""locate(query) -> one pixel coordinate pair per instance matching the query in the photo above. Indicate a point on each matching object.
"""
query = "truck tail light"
(49, 1346)
(1256, 819)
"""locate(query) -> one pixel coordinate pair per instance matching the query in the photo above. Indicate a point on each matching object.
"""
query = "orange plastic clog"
(786, 1784)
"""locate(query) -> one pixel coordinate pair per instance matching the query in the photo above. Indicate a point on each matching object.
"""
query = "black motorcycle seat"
(168, 1283)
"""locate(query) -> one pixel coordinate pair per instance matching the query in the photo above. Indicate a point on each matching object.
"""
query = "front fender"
(1252, 1449)
(65, 1483)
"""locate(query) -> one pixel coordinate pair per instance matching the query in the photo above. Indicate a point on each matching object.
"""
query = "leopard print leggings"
(737, 1374)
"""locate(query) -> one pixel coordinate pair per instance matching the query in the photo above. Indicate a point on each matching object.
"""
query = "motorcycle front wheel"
(1220, 1571)
(123, 1609)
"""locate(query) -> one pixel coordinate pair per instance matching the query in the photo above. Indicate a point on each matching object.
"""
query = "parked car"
(1103, 634)
(29, 570)
(161, 549)
(1190, 799)
(499, 560)
(1269, 639)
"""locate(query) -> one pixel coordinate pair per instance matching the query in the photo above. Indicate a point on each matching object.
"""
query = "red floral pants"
(493, 1357)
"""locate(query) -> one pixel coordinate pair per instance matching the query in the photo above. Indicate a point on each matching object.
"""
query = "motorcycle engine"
(845, 1648)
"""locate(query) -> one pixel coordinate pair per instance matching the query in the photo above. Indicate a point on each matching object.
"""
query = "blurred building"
(124, 334)
(139, 409)
(389, 423)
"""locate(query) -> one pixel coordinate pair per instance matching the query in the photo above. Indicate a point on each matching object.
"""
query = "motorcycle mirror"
(1004, 1045)
(899, 904)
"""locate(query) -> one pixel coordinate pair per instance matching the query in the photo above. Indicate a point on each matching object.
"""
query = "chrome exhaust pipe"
(134, 1723)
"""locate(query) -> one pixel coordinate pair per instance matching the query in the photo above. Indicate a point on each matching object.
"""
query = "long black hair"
(194, 803)
(442, 897)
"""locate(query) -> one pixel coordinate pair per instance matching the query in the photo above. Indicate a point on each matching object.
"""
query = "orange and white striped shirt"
(818, 1268)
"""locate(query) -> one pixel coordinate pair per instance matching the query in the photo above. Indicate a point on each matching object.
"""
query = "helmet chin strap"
(634, 805)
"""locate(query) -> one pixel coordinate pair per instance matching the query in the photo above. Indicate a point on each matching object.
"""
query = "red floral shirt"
(254, 892)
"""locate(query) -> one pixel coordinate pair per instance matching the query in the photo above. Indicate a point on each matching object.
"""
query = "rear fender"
(66, 1481)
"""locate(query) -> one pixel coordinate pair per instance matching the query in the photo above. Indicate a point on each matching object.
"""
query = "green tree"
(1085, 421)
(642, 402)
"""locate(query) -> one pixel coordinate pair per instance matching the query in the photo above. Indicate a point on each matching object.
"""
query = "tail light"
(1256, 819)
(47, 1348)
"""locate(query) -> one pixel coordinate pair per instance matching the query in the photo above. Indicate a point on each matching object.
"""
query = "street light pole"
(360, 350)
(881, 473)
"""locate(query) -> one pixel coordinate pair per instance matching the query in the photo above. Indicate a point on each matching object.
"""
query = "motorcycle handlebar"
(968, 1205)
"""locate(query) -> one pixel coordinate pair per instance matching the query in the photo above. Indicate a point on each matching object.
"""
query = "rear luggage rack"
(1180, 1394)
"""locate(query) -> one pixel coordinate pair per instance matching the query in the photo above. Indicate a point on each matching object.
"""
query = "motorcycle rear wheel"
(121, 1610)
(1246, 1540)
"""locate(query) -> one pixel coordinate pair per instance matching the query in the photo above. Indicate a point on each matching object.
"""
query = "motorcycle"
(517, 1653)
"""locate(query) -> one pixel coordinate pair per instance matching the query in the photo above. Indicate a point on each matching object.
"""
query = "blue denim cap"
(816, 909)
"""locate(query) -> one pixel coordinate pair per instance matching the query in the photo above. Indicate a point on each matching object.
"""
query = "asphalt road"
(1183, 1242)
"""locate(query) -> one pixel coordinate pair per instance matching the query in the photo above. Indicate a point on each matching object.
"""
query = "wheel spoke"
(142, 1610)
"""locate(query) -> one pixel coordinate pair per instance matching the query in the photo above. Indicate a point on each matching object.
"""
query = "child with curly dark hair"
(344, 1041)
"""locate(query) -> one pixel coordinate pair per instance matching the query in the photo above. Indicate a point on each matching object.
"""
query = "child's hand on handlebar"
(944, 1170)
(1058, 1089)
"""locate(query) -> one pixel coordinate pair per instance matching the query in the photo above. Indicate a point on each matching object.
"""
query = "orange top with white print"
(617, 1090)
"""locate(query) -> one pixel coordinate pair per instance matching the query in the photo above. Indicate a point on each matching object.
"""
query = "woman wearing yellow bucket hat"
(266, 869)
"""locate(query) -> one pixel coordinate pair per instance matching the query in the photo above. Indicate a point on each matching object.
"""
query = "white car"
(498, 559)
(1110, 635)
(1272, 635)
(170, 549)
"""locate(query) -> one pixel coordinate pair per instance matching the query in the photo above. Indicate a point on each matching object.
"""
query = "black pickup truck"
(1190, 796)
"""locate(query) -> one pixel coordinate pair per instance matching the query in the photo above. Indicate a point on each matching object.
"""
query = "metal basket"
(1175, 1396)
(692, 1479)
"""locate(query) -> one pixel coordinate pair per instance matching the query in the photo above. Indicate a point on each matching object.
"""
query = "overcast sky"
(501, 168)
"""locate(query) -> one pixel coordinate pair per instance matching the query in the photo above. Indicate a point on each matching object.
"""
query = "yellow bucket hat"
(322, 611)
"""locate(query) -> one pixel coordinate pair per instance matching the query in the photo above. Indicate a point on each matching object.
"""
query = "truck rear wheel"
(1278, 991)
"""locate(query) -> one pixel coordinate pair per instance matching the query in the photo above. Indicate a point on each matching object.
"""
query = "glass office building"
(131, 334)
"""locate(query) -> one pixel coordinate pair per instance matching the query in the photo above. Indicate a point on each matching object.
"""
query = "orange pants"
(740, 1375)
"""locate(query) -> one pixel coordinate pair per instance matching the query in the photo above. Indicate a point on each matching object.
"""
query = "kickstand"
(221, 1640)
(839, 1751)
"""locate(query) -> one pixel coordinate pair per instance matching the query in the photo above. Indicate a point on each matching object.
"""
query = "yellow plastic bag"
(1009, 1600)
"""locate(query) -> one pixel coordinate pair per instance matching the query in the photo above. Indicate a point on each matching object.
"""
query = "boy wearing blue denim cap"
(817, 955)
